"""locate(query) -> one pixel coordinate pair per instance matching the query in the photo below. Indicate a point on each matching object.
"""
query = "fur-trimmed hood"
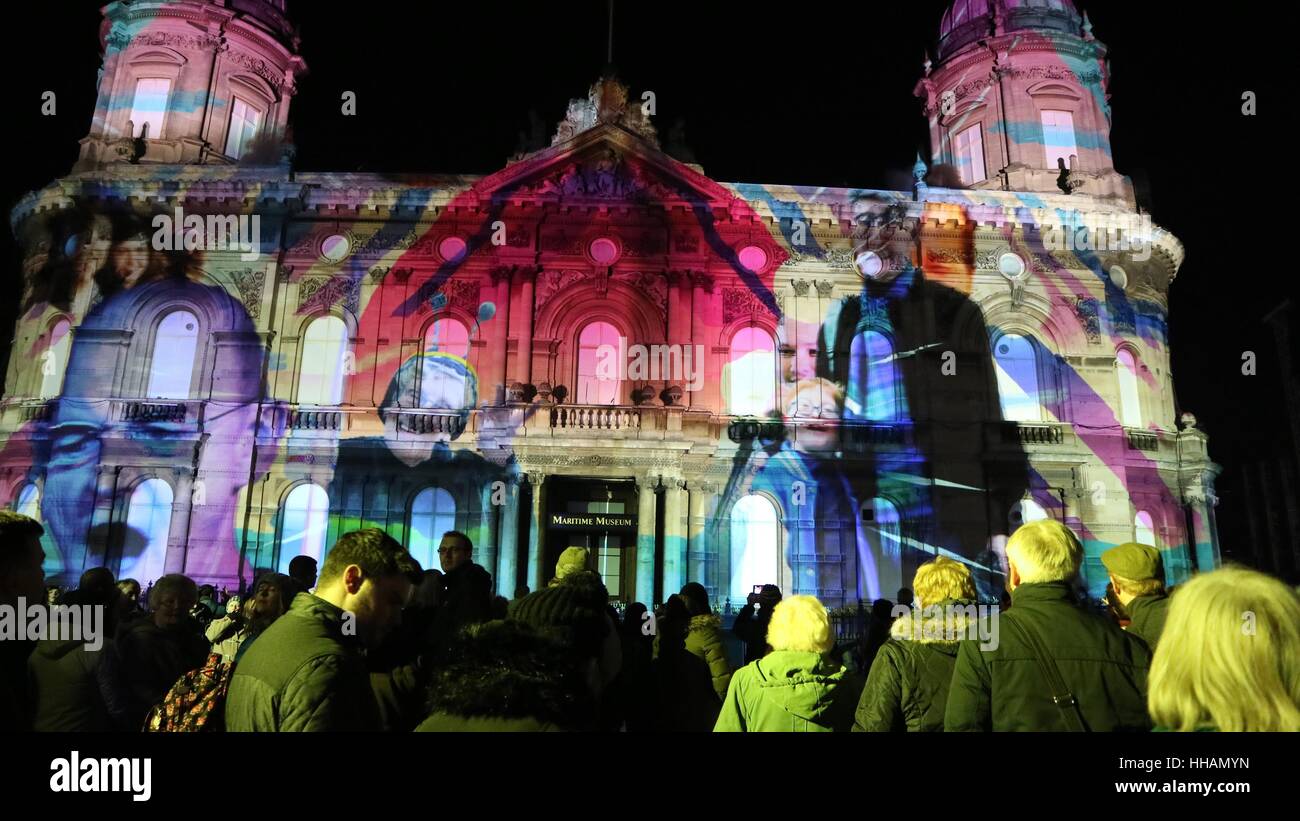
(704, 623)
(510, 670)
(939, 627)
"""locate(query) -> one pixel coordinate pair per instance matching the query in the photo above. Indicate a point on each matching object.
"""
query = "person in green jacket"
(1137, 576)
(307, 671)
(907, 688)
(1229, 658)
(1000, 685)
(794, 688)
(704, 636)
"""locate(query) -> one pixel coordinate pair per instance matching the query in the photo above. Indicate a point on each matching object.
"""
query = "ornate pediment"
(606, 164)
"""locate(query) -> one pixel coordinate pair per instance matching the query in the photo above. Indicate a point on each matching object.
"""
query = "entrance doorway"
(599, 515)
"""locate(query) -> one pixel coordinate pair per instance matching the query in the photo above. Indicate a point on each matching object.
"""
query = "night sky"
(782, 93)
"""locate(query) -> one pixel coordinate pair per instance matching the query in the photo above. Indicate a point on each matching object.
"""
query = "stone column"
(101, 519)
(508, 552)
(489, 531)
(674, 534)
(179, 533)
(701, 289)
(524, 364)
(644, 591)
(699, 545)
(500, 336)
(536, 579)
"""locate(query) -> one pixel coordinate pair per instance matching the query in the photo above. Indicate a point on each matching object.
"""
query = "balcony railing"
(1142, 440)
(425, 422)
(595, 417)
(134, 411)
(1029, 433)
(313, 419)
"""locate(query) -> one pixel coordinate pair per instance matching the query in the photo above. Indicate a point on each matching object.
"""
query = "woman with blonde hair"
(796, 687)
(1229, 657)
(907, 688)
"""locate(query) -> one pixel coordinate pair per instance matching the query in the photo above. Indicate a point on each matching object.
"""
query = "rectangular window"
(969, 150)
(1058, 137)
(244, 120)
(150, 105)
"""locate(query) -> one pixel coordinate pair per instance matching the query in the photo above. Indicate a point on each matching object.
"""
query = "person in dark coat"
(1137, 577)
(686, 700)
(467, 595)
(1004, 688)
(76, 685)
(156, 651)
(21, 581)
(907, 688)
(508, 676)
(307, 672)
(752, 620)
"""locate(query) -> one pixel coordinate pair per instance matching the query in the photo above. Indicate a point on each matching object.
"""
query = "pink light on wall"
(452, 248)
(753, 258)
(604, 250)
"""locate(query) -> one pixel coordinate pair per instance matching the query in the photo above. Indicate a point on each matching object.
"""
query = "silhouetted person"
(302, 569)
(752, 620)
(21, 582)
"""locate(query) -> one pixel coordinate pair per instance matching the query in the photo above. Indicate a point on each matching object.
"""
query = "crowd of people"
(372, 641)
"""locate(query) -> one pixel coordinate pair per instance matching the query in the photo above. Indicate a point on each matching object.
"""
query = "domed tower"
(193, 81)
(1017, 100)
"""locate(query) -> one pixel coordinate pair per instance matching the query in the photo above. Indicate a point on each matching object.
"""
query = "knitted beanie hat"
(572, 612)
(572, 560)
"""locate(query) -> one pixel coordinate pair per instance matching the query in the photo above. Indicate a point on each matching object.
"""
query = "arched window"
(28, 501)
(171, 368)
(148, 522)
(320, 380)
(149, 106)
(1026, 510)
(54, 359)
(304, 523)
(1017, 365)
(442, 373)
(751, 373)
(873, 379)
(1130, 407)
(1058, 137)
(598, 367)
(755, 550)
(433, 513)
(244, 121)
(1144, 528)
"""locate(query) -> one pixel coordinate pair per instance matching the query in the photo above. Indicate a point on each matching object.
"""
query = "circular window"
(753, 258)
(1004, 348)
(452, 249)
(1011, 265)
(869, 264)
(72, 246)
(604, 250)
(1119, 276)
(335, 247)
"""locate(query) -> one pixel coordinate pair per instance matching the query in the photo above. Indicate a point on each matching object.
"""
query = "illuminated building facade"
(224, 362)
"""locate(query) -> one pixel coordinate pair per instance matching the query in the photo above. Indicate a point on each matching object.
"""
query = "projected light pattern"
(887, 376)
